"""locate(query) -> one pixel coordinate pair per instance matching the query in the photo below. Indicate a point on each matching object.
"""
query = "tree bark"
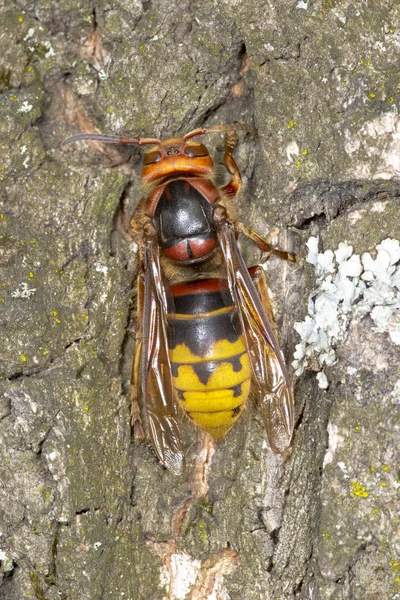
(84, 513)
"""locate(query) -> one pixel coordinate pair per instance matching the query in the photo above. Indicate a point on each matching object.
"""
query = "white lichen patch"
(23, 291)
(30, 33)
(101, 268)
(292, 151)
(348, 287)
(322, 379)
(50, 50)
(25, 107)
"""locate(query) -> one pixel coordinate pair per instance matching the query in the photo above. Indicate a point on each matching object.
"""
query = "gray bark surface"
(84, 513)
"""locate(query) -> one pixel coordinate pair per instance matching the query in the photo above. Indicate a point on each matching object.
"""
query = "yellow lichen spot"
(395, 563)
(58, 321)
(110, 110)
(320, 38)
(36, 531)
(2, 300)
(374, 512)
(361, 62)
(84, 316)
(203, 532)
(47, 495)
(359, 489)
(3, 285)
(383, 484)
(20, 19)
(325, 534)
(298, 164)
(1, 217)
(372, 469)
(141, 48)
(292, 124)
(390, 100)
(372, 95)
(31, 276)
(357, 428)
(13, 98)
(82, 532)
(23, 357)
(385, 467)
(86, 408)
(369, 63)
(54, 314)
(44, 351)
(304, 153)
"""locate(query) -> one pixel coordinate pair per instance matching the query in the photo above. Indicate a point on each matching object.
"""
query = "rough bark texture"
(84, 514)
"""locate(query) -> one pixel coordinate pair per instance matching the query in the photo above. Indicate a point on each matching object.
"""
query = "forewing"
(269, 370)
(155, 389)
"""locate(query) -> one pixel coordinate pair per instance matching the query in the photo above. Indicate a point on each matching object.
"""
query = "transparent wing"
(154, 386)
(269, 370)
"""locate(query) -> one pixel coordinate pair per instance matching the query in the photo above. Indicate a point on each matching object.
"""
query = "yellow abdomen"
(209, 360)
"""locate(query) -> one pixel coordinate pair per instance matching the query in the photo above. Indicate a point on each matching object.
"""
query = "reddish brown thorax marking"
(200, 248)
(179, 252)
(190, 249)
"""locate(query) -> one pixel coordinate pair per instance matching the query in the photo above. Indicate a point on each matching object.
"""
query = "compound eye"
(194, 150)
(151, 157)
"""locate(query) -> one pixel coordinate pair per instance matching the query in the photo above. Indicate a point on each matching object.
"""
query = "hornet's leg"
(235, 183)
(263, 244)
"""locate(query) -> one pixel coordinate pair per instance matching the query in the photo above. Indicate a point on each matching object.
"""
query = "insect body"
(206, 335)
(210, 364)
